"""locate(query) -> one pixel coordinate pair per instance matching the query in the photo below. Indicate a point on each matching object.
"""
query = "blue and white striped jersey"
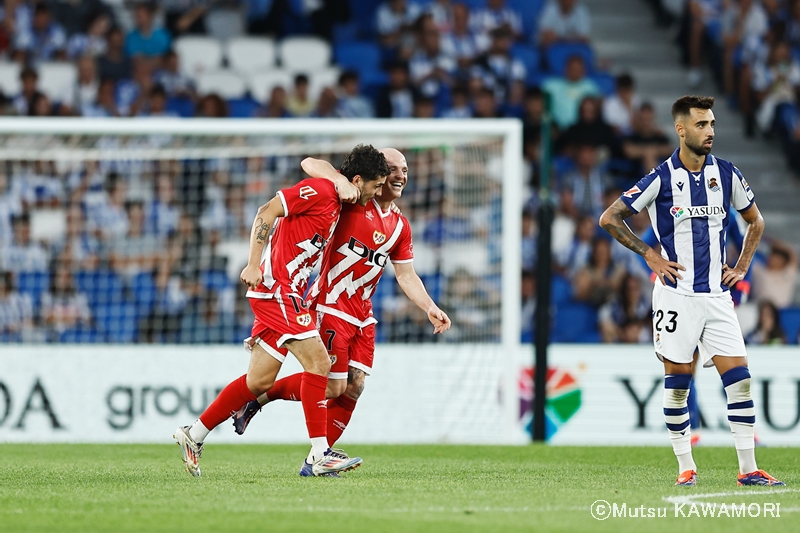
(689, 212)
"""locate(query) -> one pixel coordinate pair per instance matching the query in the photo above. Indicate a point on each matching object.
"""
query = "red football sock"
(339, 412)
(232, 397)
(312, 394)
(287, 388)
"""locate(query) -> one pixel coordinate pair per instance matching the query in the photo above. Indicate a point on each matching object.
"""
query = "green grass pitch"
(440, 489)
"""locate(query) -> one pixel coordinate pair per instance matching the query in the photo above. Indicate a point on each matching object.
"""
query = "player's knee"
(319, 364)
(259, 384)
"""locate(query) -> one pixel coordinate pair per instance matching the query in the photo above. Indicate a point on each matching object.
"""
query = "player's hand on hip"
(732, 276)
(439, 319)
(665, 270)
(251, 276)
(348, 193)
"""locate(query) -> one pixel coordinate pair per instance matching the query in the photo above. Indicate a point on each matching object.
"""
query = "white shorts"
(682, 323)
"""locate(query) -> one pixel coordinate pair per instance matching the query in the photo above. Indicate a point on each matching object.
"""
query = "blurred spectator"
(162, 213)
(211, 106)
(564, 21)
(156, 104)
(775, 83)
(598, 281)
(172, 293)
(326, 105)
(105, 104)
(469, 304)
(87, 84)
(484, 105)
(133, 93)
(443, 14)
(430, 69)
(648, 146)
(574, 257)
(43, 40)
(41, 106)
(114, 65)
(394, 20)
(64, 308)
(29, 81)
(499, 70)
(459, 104)
(205, 323)
(699, 15)
(170, 77)
(449, 223)
(424, 107)
(185, 16)
(530, 240)
(618, 109)
(462, 44)
(78, 247)
(395, 100)
(624, 318)
(567, 93)
(351, 103)
(105, 210)
(136, 251)
(299, 103)
(76, 16)
(496, 15)
(776, 280)
(276, 106)
(585, 184)
(91, 40)
(23, 255)
(742, 22)
(16, 311)
(768, 329)
(589, 129)
(532, 124)
(265, 16)
(10, 206)
(528, 305)
(145, 39)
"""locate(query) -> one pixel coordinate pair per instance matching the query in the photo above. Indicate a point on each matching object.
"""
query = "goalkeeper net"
(136, 230)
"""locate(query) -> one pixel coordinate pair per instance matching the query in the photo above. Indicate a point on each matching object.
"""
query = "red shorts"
(279, 320)
(347, 344)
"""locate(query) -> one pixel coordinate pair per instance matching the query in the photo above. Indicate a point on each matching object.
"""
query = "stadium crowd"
(138, 253)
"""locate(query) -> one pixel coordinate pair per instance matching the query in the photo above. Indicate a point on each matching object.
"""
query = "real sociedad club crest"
(713, 185)
(378, 237)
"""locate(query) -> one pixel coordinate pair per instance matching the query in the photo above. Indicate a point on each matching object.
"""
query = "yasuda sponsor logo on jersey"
(698, 211)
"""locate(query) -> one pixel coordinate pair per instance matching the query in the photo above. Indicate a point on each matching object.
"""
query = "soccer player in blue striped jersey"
(689, 197)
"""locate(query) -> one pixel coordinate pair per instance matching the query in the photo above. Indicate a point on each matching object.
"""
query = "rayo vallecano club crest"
(378, 237)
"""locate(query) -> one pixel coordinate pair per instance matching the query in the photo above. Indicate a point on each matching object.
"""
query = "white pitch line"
(690, 498)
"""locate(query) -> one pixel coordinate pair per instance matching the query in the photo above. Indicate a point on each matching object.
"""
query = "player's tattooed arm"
(263, 222)
(613, 221)
(262, 229)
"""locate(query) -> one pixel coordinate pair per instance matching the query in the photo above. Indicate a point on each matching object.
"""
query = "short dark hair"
(624, 81)
(348, 75)
(684, 105)
(300, 78)
(364, 161)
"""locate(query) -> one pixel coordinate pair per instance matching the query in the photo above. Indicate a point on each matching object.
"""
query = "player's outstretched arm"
(262, 224)
(409, 281)
(613, 221)
(319, 168)
(752, 236)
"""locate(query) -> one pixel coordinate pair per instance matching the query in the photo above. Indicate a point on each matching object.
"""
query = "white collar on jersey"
(383, 213)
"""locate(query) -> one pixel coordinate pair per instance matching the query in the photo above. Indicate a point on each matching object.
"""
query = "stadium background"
(128, 252)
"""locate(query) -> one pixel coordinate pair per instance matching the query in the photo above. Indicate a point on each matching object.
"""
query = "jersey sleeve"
(643, 193)
(741, 195)
(403, 251)
(307, 195)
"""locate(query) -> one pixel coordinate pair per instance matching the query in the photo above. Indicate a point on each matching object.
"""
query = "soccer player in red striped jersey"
(277, 276)
(366, 238)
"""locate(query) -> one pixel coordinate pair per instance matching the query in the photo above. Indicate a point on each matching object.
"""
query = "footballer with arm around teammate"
(351, 268)
(279, 266)
(688, 198)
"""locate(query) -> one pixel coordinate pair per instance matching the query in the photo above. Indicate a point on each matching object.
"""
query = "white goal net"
(135, 231)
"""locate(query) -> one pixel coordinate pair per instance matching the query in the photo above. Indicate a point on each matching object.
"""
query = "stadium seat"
(57, 81)
(304, 54)
(363, 12)
(102, 287)
(358, 56)
(790, 322)
(224, 82)
(225, 24)
(528, 56)
(116, 323)
(215, 280)
(575, 322)
(260, 84)
(558, 54)
(346, 32)
(9, 78)
(250, 54)
(198, 54)
(79, 335)
(605, 81)
(560, 290)
(242, 107)
(181, 105)
(529, 11)
(35, 284)
(143, 289)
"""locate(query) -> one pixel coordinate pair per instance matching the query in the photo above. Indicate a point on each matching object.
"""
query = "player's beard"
(699, 148)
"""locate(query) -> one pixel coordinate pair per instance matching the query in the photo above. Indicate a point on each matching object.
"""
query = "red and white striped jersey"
(311, 210)
(364, 240)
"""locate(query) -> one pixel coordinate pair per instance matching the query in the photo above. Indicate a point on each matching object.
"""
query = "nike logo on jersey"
(680, 185)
